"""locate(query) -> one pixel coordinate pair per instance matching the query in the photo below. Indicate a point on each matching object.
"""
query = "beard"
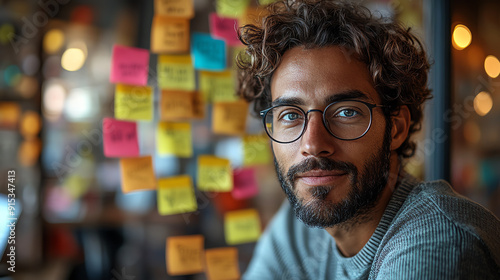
(364, 191)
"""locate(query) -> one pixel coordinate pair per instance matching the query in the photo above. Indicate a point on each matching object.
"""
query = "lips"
(320, 177)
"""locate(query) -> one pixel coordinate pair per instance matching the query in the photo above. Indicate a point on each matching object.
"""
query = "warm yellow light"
(73, 59)
(53, 41)
(462, 37)
(483, 103)
(492, 66)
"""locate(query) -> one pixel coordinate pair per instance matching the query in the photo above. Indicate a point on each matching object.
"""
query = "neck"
(352, 235)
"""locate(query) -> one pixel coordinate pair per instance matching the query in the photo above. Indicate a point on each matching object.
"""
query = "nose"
(316, 140)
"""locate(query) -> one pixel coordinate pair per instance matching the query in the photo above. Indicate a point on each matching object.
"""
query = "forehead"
(314, 76)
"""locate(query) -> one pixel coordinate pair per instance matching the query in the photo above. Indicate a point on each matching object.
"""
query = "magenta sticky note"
(225, 29)
(129, 66)
(120, 138)
(245, 184)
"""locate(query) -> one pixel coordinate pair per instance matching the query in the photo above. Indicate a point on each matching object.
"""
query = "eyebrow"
(345, 95)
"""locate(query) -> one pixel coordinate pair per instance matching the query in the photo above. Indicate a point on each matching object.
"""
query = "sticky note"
(256, 150)
(176, 105)
(218, 86)
(137, 174)
(175, 8)
(224, 28)
(120, 138)
(231, 8)
(169, 35)
(229, 118)
(174, 139)
(222, 263)
(129, 65)
(208, 53)
(253, 15)
(176, 195)
(241, 226)
(185, 254)
(214, 174)
(198, 106)
(133, 102)
(245, 184)
(176, 72)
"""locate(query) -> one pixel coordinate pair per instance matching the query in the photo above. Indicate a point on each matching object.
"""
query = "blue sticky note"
(208, 53)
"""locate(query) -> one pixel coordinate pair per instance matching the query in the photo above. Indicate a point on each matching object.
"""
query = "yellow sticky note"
(176, 72)
(137, 174)
(169, 35)
(214, 174)
(256, 150)
(174, 139)
(185, 254)
(222, 263)
(176, 195)
(133, 102)
(175, 8)
(241, 226)
(229, 118)
(217, 86)
(231, 8)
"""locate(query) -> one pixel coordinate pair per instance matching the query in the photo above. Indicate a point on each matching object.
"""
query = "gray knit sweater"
(426, 232)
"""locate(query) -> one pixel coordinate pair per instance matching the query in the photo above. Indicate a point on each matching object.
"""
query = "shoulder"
(443, 234)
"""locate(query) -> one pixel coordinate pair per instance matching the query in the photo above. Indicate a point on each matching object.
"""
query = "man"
(341, 93)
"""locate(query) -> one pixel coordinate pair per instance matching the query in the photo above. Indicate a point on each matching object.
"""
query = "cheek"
(284, 154)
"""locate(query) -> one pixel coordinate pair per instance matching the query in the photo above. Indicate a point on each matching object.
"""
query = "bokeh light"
(12, 75)
(6, 33)
(30, 125)
(53, 41)
(492, 66)
(30, 64)
(73, 59)
(483, 103)
(54, 97)
(462, 37)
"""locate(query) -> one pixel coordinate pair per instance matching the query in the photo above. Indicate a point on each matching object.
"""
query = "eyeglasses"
(345, 120)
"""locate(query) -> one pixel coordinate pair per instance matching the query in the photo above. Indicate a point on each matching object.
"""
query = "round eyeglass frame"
(370, 106)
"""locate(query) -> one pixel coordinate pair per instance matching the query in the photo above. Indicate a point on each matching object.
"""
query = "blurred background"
(55, 61)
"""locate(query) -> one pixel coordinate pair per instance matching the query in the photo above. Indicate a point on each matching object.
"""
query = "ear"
(400, 127)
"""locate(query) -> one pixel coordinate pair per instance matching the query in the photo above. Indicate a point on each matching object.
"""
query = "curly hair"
(395, 58)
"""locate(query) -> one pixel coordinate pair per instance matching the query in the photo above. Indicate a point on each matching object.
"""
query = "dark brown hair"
(395, 58)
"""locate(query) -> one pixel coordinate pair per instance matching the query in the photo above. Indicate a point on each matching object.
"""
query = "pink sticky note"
(129, 66)
(120, 138)
(225, 29)
(245, 185)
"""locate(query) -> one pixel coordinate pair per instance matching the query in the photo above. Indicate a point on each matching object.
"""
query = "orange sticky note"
(174, 139)
(175, 8)
(218, 86)
(222, 263)
(185, 254)
(169, 35)
(214, 174)
(253, 15)
(229, 118)
(176, 105)
(137, 174)
(133, 103)
(176, 195)
(241, 226)
(176, 72)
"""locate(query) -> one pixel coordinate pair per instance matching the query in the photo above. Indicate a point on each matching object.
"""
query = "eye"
(290, 116)
(346, 113)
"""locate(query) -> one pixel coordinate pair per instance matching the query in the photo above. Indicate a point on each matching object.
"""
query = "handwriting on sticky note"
(229, 118)
(129, 66)
(169, 35)
(133, 102)
(225, 29)
(217, 86)
(214, 174)
(176, 195)
(176, 105)
(222, 263)
(256, 150)
(175, 8)
(176, 72)
(185, 254)
(120, 138)
(208, 53)
(241, 226)
(245, 183)
(174, 139)
(137, 174)
(231, 8)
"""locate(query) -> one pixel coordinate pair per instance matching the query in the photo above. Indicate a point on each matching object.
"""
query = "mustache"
(321, 164)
